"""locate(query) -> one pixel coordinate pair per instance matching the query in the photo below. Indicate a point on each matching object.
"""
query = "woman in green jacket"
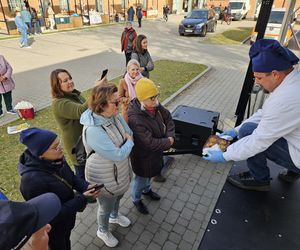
(67, 106)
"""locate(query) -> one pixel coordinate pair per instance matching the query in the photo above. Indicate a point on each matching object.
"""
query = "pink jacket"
(6, 70)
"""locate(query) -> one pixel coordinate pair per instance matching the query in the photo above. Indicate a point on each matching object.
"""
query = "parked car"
(198, 22)
(239, 8)
(218, 12)
(274, 26)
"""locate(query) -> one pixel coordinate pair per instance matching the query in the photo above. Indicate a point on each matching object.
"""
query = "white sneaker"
(108, 238)
(122, 220)
(12, 112)
(27, 47)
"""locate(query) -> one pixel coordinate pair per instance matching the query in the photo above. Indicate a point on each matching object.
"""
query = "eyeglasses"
(153, 98)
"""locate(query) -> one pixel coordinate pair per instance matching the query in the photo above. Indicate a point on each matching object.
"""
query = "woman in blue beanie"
(43, 169)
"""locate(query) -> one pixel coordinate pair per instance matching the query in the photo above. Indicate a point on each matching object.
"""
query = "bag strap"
(163, 122)
(55, 175)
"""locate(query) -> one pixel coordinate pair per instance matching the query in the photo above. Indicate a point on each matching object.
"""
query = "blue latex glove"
(214, 156)
(232, 133)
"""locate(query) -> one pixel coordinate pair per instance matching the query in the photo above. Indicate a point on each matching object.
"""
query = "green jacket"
(67, 111)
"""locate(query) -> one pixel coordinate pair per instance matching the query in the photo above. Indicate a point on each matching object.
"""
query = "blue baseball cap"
(19, 220)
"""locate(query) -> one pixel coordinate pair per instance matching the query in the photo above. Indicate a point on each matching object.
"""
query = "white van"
(274, 26)
(239, 9)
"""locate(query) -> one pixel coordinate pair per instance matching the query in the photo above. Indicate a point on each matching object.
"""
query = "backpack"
(79, 151)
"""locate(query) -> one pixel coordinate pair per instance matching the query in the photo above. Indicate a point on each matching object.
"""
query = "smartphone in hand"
(104, 73)
(96, 187)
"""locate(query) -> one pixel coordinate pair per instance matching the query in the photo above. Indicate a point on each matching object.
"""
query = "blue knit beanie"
(268, 55)
(37, 140)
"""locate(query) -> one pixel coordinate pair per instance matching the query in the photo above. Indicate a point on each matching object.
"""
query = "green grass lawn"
(233, 36)
(170, 74)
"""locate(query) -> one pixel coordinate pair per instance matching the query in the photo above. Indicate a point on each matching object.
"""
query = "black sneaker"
(154, 196)
(140, 206)
(288, 176)
(246, 181)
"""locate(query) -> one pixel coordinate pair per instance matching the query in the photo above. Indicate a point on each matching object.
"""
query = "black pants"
(140, 22)
(127, 56)
(8, 101)
(59, 239)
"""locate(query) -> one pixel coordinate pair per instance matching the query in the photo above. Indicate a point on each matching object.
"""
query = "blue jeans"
(278, 152)
(139, 185)
(107, 207)
(24, 39)
(37, 27)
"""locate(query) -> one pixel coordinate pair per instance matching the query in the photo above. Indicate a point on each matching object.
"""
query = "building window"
(15, 3)
(145, 4)
(63, 5)
(99, 6)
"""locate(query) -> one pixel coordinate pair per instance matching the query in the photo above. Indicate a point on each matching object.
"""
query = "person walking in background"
(67, 106)
(154, 132)
(51, 14)
(166, 12)
(126, 89)
(139, 15)
(127, 41)
(26, 16)
(108, 140)
(22, 28)
(130, 14)
(35, 21)
(6, 86)
(142, 55)
(43, 169)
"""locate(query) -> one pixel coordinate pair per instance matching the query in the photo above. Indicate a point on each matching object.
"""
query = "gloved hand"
(232, 133)
(214, 156)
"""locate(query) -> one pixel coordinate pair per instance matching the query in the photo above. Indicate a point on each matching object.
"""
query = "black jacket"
(37, 178)
(150, 134)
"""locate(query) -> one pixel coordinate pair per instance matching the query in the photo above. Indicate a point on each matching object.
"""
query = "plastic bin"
(27, 114)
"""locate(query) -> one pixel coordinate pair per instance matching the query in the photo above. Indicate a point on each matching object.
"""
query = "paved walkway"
(179, 219)
(85, 53)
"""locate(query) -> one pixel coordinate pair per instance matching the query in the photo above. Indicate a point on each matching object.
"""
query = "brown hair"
(55, 83)
(100, 95)
(138, 44)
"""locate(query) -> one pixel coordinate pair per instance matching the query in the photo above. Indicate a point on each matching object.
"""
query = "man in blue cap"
(26, 224)
(273, 132)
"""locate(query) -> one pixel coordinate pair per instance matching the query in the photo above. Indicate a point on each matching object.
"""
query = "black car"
(198, 22)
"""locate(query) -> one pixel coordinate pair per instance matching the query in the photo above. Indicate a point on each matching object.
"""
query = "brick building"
(75, 13)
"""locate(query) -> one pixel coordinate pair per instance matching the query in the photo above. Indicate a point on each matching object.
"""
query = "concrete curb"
(246, 40)
(179, 91)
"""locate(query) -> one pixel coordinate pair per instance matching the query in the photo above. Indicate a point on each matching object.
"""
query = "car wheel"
(203, 32)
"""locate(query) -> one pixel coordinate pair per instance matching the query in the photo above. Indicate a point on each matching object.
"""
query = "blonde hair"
(133, 62)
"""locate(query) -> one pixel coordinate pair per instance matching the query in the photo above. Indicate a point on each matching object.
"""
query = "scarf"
(131, 82)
